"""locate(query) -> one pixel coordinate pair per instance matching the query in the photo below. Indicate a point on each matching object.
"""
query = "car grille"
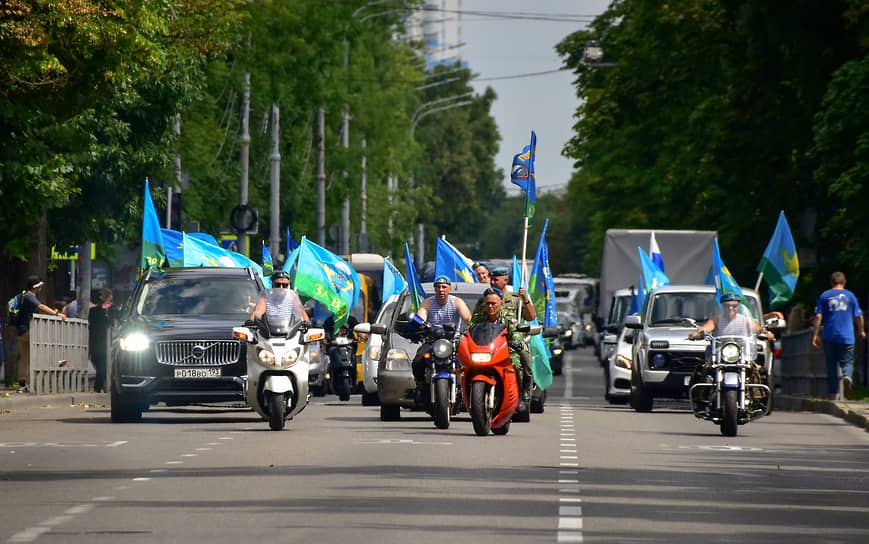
(674, 360)
(198, 352)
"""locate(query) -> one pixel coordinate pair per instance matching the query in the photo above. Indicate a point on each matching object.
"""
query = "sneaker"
(846, 387)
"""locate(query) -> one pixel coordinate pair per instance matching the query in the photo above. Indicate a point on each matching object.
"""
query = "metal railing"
(58, 355)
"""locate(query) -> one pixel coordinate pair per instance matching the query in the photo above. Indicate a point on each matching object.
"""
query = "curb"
(26, 401)
(854, 413)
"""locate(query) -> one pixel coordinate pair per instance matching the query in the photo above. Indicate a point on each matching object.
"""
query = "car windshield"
(619, 309)
(668, 309)
(232, 298)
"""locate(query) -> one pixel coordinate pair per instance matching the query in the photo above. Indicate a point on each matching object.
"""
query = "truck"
(687, 258)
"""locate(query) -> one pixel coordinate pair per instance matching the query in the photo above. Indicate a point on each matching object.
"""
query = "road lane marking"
(79, 509)
(570, 522)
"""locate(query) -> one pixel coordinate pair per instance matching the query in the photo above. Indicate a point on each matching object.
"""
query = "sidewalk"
(12, 400)
(855, 413)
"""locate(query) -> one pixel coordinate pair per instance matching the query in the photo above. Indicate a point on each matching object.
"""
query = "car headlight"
(481, 357)
(623, 362)
(442, 348)
(266, 357)
(396, 359)
(374, 353)
(588, 327)
(730, 353)
(135, 342)
(290, 356)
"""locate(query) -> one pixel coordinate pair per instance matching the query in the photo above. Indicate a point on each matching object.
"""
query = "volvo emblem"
(198, 352)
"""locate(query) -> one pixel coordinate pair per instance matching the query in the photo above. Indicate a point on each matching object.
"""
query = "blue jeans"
(838, 355)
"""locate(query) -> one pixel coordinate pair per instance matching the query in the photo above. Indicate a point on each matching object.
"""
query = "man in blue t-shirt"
(837, 308)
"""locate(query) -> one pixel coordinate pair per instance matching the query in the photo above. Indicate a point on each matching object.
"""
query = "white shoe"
(846, 387)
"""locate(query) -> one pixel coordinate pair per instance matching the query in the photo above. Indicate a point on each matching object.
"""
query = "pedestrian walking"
(838, 310)
(101, 318)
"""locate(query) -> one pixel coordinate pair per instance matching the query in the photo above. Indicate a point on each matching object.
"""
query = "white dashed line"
(569, 508)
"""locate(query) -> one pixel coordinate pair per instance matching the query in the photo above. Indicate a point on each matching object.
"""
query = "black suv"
(175, 342)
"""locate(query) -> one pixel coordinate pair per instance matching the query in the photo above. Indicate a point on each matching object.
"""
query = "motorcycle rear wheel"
(481, 415)
(441, 409)
(343, 388)
(277, 411)
(729, 413)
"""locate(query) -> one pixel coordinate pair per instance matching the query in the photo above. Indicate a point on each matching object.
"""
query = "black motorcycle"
(341, 350)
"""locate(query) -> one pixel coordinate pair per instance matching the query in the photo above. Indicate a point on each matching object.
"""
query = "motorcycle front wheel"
(277, 410)
(343, 388)
(481, 415)
(441, 409)
(729, 413)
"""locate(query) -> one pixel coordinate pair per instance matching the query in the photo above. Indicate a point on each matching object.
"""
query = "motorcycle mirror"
(313, 335)
(633, 321)
(774, 323)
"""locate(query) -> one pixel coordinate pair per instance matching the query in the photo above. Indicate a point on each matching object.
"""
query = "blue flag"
(522, 174)
(518, 279)
(541, 285)
(637, 299)
(268, 265)
(174, 245)
(199, 253)
(724, 281)
(153, 249)
(452, 264)
(291, 244)
(393, 281)
(780, 264)
(652, 276)
(417, 294)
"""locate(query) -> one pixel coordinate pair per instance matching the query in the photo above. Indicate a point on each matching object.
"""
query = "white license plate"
(187, 373)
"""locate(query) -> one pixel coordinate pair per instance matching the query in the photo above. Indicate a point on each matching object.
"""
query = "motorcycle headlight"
(481, 357)
(266, 356)
(442, 348)
(290, 356)
(730, 353)
(135, 342)
(588, 327)
(557, 351)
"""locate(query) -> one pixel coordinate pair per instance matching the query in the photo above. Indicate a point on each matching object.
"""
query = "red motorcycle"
(490, 384)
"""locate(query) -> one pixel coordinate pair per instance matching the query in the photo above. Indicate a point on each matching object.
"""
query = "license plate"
(188, 373)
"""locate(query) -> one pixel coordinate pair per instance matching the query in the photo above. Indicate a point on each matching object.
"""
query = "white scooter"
(277, 363)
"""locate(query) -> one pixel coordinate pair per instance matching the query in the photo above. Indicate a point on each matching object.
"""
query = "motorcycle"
(728, 389)
(490, 384)
(342, 362)
(277, 363)
(440, 374)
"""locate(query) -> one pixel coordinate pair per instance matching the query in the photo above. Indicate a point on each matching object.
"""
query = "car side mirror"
(364, 328)
(633, 321)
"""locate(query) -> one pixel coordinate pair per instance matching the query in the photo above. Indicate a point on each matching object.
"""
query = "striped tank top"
(438, 315)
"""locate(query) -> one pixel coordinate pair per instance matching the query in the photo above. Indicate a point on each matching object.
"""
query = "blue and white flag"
(655, 252)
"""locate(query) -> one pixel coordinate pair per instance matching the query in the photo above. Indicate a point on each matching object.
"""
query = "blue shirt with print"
(838, 307)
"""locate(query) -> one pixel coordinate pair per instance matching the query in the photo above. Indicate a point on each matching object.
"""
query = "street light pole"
(275, 158)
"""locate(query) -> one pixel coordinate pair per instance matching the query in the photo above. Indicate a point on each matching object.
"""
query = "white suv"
(663, 358)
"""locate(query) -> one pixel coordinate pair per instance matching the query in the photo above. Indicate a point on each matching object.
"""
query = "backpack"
(14, 309)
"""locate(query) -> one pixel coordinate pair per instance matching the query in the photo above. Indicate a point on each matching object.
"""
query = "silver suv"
(663, 358)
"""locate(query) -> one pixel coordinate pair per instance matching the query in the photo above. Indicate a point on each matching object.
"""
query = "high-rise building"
(439, 26)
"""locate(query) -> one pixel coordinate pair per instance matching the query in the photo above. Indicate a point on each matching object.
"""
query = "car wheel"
(124, 410)
(370, 399)
(641, 400)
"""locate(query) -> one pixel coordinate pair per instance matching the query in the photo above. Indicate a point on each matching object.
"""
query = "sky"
(498, 47)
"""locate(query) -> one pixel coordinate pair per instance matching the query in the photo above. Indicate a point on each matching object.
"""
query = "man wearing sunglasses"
(280, 280)
(731, 322)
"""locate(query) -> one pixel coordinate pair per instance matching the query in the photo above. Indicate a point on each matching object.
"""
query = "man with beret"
(438, 309)
(518, 306)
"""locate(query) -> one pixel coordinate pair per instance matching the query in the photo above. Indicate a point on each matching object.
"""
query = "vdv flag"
(174, 245)
(328, 279)
(780, 265)
(268, 266)
(518, 278)
(655, 252)
(652, 276)
(541, 285)
(417, 294)
(153, 250)
(723, 279)
(291, 244)
(393, 281)
(522, 174)
(200, 253)
(452, 264)
(540, 367)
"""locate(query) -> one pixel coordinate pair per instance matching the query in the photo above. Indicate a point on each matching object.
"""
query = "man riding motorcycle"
(495, 311)
(516, 304)
(437, 310)
(292, 304)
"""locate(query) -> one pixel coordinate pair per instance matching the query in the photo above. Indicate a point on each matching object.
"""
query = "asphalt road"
(583, 471)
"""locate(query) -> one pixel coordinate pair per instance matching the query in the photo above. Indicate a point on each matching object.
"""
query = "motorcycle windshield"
(281, 317)
(485, 333)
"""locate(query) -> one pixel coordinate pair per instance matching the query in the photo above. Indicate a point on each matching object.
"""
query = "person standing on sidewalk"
(837, 309)
(29, 305)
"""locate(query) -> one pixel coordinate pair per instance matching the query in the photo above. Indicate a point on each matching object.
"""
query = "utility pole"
(244, 135)
(176, 126)
(364, 198)
(321, 178)
(345, 209)
(275, 158)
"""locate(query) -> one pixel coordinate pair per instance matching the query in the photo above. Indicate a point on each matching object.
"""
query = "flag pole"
(524, 251)
(759, 278)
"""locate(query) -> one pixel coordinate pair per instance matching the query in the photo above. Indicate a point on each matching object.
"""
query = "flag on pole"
(173, 243)
(327, 278)
(655, 252)
(651, 277)
(518, 277)
(541, 285)
(452, 264)
(417, 294)
(393, 281)
(522, 174)
(268, 265)
(780, 264)
(153, 250)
